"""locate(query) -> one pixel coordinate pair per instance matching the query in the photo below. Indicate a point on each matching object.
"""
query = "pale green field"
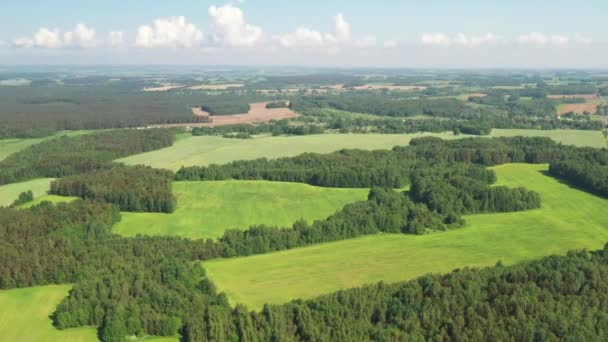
(10, 146)
(207, 209)
(47, 198)
(205, 150)
(566, 137)
(24, 316)
(10, 192)
(569, 219)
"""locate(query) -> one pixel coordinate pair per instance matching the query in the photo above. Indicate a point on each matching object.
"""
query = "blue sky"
(421, 33)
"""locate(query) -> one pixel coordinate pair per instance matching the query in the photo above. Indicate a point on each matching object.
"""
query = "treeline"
(453, 191)
(132, 188)
(556, 298)
(277, 128)
(588, 175)
(364, 169)
(65, 156)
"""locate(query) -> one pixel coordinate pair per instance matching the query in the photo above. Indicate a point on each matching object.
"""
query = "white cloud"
(435, 39)
(116, 39)
(45, 38)
(535, 38)
(582, 39)
(342, 32)
(172, 32)
(309, 38)
(460, 39)
(366, 42)
(230, 28)
(560, 40)
(390, 44)
(302, 37)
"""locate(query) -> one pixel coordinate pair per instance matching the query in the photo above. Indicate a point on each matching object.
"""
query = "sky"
(329, 33)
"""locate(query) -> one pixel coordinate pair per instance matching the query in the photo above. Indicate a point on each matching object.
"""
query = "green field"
(569, 219)
(10, 192)
(47, 198)
(205, 150)
(10, 146)
(566, 137)
(207, 209)
(24, 316)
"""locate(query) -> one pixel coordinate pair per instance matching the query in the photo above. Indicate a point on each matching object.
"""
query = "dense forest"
(592, 176)
(556, 298)
(132, 188)
(394, 168)
(64, 156)
(151, 285)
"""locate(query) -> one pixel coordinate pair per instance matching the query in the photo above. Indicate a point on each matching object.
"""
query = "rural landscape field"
(227, 176)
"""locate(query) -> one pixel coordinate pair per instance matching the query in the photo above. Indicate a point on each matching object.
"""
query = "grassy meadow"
(10, 146)
(24, 316)
(207, 209)
(205, 150)
(569, 219)
(567, 137)
(10, 192)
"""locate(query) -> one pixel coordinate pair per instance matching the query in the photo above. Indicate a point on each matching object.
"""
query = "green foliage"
(66, 156)
(556, 298)
(24, 197)
(132, 188)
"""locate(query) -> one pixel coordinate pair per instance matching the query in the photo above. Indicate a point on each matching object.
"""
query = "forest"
(132, 188)
(65, 156)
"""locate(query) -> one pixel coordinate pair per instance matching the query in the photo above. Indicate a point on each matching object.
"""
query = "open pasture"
(205, 150)
(10, 192)
(207, 209)
(569, 219)
(25, 314)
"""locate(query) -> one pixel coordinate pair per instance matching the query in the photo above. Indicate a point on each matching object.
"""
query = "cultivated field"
(568, 137)
(10, 192)
(24, 316)
(569, 219)
(207, 209)
(205, 150)
(216, 86)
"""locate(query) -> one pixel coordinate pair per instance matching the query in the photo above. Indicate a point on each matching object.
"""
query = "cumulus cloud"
(116, 39)
(230, 28)
(306, 37)
(460, 39)
(435, 39)
(390, 44)
(302, 37)
(541, 39)
(172, 32)
(366, 42)
(81, 37)
(582, 39)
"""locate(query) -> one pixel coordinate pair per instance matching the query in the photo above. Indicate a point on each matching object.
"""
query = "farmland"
(25, 316)
(205, 150)
(10, 192)
(569, 219)
(207, 209)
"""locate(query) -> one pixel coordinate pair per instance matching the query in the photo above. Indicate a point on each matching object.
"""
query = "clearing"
(25, 316)
(205, 150)
(207, 209)
(569, 219)
(10, 192)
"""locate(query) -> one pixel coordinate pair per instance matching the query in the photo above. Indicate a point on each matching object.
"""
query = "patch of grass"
(47, 198)
(569, 219)
(24, 316)
(10, 192)
(565, 136)
(205, 150)
(10, 146)
(207, 209)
